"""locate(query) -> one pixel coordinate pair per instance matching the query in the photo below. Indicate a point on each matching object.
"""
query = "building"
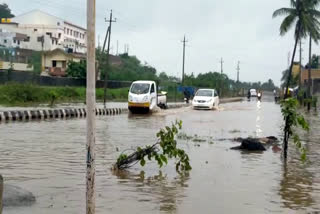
(315, 79)
(17, 59)
(55, 62)
(39, 31)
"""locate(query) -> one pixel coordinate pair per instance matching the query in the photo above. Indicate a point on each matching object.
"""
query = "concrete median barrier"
(29, 115)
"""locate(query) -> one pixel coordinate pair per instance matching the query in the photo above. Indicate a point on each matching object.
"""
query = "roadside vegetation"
(14, 94)
(303, 16)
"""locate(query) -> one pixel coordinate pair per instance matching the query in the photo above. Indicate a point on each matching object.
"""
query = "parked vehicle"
(143, 96)
(253, 92)
(205, 99)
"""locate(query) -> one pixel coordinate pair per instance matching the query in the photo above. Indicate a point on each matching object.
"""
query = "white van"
(143, 96)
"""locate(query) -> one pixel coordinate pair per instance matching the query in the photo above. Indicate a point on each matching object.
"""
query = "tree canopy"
(5, 11)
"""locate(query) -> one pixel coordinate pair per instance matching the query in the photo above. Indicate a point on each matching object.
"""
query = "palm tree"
(302, 15)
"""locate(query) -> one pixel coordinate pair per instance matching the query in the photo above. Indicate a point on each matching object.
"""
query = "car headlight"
(208, 101)
(130, 98)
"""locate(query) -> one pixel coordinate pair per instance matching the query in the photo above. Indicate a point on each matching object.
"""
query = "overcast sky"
(237, 30)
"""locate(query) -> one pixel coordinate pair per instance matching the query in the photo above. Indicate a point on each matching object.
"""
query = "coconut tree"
(302, 16)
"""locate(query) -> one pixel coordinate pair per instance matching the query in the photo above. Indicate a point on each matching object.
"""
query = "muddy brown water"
(48, 159)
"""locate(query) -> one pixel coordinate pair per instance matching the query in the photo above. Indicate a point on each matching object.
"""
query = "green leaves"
(168, 149)
(303, 15)
(294, 119)
(142, 162)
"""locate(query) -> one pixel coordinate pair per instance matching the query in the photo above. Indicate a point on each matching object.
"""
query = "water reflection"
(159, 188)
(296, 187)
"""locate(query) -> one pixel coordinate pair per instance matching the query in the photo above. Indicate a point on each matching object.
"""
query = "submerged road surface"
(48, 159)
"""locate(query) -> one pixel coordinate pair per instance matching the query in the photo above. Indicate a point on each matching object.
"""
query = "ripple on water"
(48, 158)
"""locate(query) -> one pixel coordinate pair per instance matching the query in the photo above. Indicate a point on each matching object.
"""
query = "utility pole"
(183, 58)
(221, 62)
(108, 64)
(117, 47)
(105, 40)
(91, 106)
(238, 71)
(99, 41)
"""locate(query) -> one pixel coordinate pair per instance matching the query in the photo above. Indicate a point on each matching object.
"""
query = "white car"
(205, 99)
(253, 92)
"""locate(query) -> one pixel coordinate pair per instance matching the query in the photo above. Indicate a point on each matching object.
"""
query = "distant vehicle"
(187, 91)
(205, 99)
(143, 96)
(259, 95)
(253, 92)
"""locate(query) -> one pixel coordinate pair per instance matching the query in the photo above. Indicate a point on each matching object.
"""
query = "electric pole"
(108, 64)
(221, 62)
(183, 58)
(91, 106)
(117, 47)
(238, 71)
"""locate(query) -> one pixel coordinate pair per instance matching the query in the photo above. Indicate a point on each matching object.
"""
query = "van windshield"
(204, 93)
(140, 88)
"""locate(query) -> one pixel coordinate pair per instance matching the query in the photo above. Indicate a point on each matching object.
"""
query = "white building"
(37, 30)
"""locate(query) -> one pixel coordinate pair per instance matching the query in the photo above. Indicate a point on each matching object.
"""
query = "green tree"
(314, 62)
(5, 11)
(302, 14)
(77, 69)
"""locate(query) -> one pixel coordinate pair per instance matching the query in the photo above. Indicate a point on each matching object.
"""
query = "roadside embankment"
(15, 94)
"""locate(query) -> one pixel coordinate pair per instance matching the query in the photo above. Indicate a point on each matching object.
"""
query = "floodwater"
(48, 159)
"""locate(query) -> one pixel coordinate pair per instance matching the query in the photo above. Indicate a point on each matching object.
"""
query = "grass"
(15, 94)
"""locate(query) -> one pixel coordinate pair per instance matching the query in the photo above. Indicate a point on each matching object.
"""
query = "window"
(71, 32)
(18, 42)
(5, 41)
(54, 63)
(59, 35)
(68, 31)
(152, 89)
(204, 93)
(14, 41)
(35, 30)
(140, 88)
(58, 23)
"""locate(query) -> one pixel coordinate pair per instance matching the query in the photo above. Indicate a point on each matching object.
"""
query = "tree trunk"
(286, 136)
(309, 75)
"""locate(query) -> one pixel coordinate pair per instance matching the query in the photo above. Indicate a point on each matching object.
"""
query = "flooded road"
(48, 159)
